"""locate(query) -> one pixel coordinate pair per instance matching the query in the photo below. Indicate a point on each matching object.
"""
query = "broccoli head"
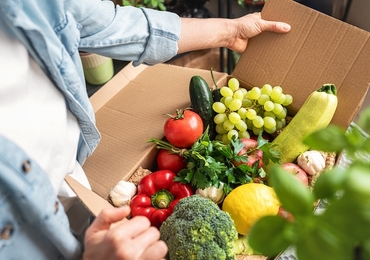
(198, 229)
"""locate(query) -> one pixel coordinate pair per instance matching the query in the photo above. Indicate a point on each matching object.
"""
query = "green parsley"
(210, 162)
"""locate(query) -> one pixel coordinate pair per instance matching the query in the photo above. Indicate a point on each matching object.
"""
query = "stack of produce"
(214, 163)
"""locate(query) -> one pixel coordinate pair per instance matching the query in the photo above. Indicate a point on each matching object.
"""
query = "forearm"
(221, 32)
(204, 33)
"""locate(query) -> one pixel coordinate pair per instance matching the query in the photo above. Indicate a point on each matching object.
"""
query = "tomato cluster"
(181, 129)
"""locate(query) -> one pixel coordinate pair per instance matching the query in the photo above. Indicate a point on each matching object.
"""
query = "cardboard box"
(131, 107)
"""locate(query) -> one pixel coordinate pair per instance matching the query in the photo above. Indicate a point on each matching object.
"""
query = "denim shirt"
(33, 224)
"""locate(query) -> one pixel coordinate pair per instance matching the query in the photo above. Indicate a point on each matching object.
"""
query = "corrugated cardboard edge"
(116, 84)
(92, 201)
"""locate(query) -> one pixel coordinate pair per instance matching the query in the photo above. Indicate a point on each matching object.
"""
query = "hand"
(251, 25)
(200, 33)
(109, 237)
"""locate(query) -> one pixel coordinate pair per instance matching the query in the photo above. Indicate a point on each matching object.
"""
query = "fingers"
(148, 246)
(278, 27)
(134, 226)
(109, 216)
(157, 250)
(138, 240)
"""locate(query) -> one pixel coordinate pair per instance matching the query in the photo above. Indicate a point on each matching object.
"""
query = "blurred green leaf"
(270, 235)
(324, 242)
(329, 183)
(293, 195)
(364, 120)
(331, 139)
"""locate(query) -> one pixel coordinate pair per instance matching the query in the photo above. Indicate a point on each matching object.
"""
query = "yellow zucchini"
(316, 113)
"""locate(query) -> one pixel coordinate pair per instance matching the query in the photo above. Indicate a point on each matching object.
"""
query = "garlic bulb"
(217, 195)
(122, 193)
(312, 162)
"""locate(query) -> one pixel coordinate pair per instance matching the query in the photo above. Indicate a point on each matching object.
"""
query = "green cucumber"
(201, 102)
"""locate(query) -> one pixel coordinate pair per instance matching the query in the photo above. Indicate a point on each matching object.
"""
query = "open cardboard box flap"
(319, 49)
(131, 108)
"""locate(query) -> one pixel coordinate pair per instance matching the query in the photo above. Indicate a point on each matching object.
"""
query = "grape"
(282, 115)
(239, 94)
(276, 93)
(227, 101)
(244, 90)
(263, 98)
(257, 130)
(258, 122)
(225, 140)
(241, 126)
(269, 113)
(251, 114)
(259, 109)
(226, 91)
(220, 129)
(235, 104)
(219, 107)
(244, 134)
(266, 89)
(280, 123)
(233, 84)
(281, 99)
(228, 125)
(288, 100)
(278, 108)
(269, 130)
(242, 112)
(268, 106)
(246, 102)
(254, 93)
(234, 118)
(219, 137)
(220, 118)
(232, 133)
(269, 122)
(249, 123)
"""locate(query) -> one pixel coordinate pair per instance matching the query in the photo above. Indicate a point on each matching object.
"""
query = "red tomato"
(170, 161)
(183, 128)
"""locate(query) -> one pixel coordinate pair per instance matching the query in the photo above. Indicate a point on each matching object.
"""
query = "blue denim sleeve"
(127, 33)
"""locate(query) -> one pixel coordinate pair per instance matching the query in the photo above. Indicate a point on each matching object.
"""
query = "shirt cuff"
(164, 30)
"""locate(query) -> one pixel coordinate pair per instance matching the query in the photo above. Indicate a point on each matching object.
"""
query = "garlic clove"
(312, 162)
(122, 193)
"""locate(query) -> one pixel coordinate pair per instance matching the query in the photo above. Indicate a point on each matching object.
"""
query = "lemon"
(249, 202)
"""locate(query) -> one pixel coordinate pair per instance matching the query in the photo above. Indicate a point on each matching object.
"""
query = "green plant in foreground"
(342, 230)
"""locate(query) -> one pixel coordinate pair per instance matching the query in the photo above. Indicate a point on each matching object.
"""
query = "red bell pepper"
(157, 196)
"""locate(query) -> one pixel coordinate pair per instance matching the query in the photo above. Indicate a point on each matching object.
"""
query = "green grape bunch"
(241, 111)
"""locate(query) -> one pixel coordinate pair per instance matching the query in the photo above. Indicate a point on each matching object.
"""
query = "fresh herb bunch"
(210, 162)
(342, 230)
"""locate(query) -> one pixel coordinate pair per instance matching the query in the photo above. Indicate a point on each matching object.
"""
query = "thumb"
(278, 27)
(109, 216)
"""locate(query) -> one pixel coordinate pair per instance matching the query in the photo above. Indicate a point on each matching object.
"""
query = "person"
(47, 125)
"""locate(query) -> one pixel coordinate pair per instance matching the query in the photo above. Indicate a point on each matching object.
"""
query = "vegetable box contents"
(214, 166)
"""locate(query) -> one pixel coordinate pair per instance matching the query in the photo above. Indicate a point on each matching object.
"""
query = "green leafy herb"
(211, 162)
(342, 230)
